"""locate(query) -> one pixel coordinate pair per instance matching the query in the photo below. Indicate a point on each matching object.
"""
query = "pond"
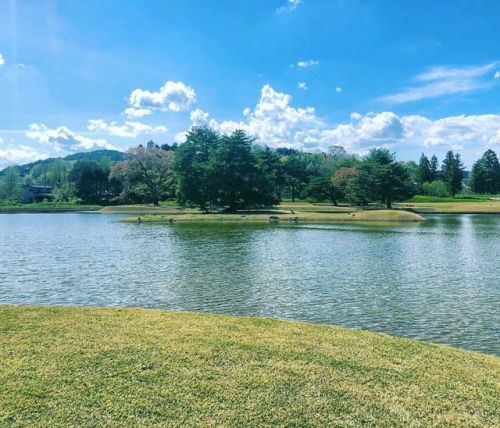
(438, 281)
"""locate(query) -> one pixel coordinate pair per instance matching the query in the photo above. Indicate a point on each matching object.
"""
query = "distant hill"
(96, 155)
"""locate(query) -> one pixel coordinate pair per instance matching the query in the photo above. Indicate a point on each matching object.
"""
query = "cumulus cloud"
(173, 96)
(440, 81)
(290, 6)
(63, 139)
(302, 85)
(276, 123)
(137, 112)
(338, 89)
(273, 121)
(128, 130)
(306, 64)
(497, 75)
(19, 154)
(2, 61)
(374, 130)
(199, 117)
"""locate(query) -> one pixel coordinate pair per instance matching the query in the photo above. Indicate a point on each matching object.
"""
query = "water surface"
(438, 281)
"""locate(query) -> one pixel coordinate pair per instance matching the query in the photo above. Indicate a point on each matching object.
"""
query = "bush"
(435, 188)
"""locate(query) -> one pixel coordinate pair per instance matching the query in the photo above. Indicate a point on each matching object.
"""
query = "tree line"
(231, 172)
(448, 180)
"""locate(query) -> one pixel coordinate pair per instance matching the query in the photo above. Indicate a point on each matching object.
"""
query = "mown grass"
(484, 207)
(390, 216)
(45, 207)
(134, 367)
(147, 209)
(460, 198)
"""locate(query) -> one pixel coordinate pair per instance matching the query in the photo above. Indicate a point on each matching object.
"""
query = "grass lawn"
(45, 207)
(380, 216)
(485, 207)
(459, 198)
(147, 209)
(135, 367)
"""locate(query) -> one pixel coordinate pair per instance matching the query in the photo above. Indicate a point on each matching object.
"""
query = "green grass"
(457, 199)
(390, 216)
(45, 207)
(463, 207)
(134, 367)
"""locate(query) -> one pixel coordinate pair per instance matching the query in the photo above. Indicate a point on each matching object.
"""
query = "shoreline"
(289, 209)
(372, 216)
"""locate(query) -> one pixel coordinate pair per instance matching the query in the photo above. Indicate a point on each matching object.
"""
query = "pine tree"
(453, 172)
(434, 169)
(485, 174)
(424, 173)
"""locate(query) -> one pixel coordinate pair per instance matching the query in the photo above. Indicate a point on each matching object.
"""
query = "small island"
(373, 216)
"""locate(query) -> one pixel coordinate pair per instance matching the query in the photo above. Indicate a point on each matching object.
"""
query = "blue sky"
(420, 76)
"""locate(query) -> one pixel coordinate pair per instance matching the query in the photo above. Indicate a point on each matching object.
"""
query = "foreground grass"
(134, 367)
(381, 216)
(46, 207)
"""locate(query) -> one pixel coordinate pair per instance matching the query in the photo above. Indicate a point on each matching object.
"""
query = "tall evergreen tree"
(195, 178)
(271, 173)
(424, 173)
(235, 171)
(485, 174)
(452, 172)
(380, 177)
(434, 168)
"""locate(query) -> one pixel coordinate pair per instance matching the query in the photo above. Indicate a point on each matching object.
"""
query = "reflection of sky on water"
(436, 281)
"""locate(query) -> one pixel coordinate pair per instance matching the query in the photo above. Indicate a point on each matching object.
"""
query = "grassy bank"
(134, 367)
(438, 199)
(390, 216)
(46, 207)
(483, 207)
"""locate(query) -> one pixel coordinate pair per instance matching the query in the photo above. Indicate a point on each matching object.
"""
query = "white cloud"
(199, 117)
(439, 81)
(1, 140)
(180, 137)
(128, 130)
(273, 121)
(290, 6)
(338, 89)
(306, 64)
(375, 130)
(386, 129)
(137, 112)
(302, 85)
(19, 154)
(173, 96)
(63, 139)
(2, 61)
(276, 123)
(497, 75)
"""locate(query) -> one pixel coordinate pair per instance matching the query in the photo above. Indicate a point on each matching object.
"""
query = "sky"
(419, 76)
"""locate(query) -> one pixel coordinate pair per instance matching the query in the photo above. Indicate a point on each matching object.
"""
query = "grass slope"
(135, 367)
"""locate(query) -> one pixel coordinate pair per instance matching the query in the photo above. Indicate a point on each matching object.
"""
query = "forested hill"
(96, 155)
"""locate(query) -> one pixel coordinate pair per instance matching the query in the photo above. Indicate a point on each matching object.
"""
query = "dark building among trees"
(36, 193)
